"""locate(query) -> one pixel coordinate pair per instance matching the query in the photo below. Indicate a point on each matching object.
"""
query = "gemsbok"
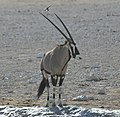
(55, 62)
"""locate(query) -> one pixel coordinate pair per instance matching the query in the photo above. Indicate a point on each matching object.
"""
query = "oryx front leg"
(54, 82)
(60, 91)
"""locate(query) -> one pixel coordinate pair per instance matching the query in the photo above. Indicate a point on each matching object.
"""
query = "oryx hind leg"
(48, 97)
(60, 91)
(54, 83)
(45, 76)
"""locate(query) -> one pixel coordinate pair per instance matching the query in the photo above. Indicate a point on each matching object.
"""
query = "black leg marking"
(59, 96)
(61, 81)
(47, 105)
(47, 85)
(54, 82)
(60, 91)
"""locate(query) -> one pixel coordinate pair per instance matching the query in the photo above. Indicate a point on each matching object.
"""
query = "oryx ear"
(76, 51)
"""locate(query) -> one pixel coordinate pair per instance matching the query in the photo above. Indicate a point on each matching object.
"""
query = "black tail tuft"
(41, 88)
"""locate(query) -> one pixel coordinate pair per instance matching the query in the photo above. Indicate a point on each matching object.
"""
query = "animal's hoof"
(53, 104)
(80, 58)
(36, 98)
(60, 105)
(47, 105)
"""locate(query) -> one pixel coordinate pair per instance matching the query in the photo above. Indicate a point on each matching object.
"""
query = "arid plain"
(24, 33)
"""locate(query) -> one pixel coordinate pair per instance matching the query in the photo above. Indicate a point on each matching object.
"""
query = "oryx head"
(73, 48)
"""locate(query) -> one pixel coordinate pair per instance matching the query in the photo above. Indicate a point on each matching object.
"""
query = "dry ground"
(95, 26)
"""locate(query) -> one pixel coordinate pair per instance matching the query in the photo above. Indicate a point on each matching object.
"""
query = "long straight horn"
(65, 28)
(55, 26)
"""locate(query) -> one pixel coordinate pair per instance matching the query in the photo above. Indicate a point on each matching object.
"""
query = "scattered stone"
(82, 98)
(30, 60)
(40, 55)
(10, 91)
(5, 78)
(93, 77)
(102, 91)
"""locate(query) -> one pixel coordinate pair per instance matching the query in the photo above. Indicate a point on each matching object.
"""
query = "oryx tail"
(41, 88)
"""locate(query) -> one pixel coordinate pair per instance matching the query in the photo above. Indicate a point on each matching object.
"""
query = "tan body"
(55, 61)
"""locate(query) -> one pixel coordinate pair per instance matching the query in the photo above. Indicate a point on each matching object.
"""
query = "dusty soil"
(95, 26)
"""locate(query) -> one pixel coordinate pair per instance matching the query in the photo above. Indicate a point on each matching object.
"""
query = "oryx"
(55, 62)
